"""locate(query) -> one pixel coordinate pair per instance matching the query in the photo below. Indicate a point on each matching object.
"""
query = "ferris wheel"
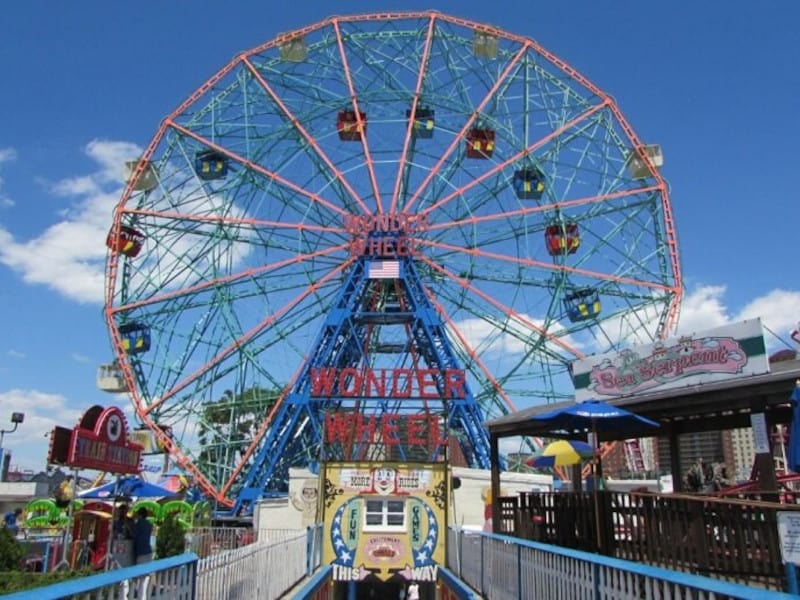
(534, 219)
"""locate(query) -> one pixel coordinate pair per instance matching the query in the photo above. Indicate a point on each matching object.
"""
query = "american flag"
(384, 269)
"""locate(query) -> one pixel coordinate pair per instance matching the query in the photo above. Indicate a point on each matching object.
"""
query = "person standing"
(10, 520)
(123, 524)
(413, 591)
(142, 532)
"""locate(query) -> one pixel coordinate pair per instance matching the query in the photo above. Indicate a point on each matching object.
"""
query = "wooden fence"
(731, 539)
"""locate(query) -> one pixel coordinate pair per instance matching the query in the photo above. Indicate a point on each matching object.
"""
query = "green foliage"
(228, 426)
(201, 516)
(171, 538)
(16, 581)
(11, 552)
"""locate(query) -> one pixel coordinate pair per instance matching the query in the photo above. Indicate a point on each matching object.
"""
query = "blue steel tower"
(383, 349)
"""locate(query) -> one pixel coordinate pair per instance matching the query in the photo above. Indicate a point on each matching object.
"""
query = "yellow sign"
(384, 519)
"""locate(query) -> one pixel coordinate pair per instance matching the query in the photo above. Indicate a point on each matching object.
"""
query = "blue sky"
(86, 84)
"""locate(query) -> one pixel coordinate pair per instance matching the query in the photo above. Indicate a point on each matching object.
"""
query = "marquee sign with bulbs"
(99, 441)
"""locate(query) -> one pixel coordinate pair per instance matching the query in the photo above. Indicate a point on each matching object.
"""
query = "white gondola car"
(294, 50)
(485, 44)
(147, 179)
(110, 379)
(636, 166)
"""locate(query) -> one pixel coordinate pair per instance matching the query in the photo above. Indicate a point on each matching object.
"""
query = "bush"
(171, 538)
(11, 551)
(16, 581)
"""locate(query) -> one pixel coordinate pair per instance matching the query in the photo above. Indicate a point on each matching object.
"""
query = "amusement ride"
(377, 214)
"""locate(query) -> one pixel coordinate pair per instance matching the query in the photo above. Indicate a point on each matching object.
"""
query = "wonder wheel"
(526, 221)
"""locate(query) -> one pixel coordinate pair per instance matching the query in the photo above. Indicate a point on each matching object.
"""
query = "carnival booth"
(100, 442)
(91, 535)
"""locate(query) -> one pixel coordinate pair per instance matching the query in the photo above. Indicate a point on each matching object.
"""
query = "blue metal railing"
(478, 564)
(172, 578)
(498, 566)
(315, 584)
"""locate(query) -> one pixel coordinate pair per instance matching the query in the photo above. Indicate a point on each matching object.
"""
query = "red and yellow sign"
(100, 441)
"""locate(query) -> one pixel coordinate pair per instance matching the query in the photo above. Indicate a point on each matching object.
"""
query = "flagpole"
(64, 562)
(112, 537)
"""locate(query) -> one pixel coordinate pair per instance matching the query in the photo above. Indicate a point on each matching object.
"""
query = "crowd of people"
(703, 477)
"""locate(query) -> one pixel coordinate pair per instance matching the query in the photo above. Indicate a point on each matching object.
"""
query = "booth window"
(385, 515)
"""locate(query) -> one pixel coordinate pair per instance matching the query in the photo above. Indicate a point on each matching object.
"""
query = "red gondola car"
(350, 127)
(129, 241)
(562, 238)
(480, 143)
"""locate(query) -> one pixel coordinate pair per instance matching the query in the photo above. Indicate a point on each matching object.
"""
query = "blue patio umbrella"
(793, 454)
(593, 416)
(127, 487)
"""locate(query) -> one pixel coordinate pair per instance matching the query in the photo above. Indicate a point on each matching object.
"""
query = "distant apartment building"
(735, 448)
(742, 451)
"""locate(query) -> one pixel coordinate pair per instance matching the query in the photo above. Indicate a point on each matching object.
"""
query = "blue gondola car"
(582, 304)
(424, 122)
(528, 183)
(210, 165)
(135, 337)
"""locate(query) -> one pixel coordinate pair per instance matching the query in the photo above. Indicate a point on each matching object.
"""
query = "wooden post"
(764, 461)
(494, 458)
(675, 461)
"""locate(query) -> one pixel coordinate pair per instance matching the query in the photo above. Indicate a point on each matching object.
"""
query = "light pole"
(16, 419)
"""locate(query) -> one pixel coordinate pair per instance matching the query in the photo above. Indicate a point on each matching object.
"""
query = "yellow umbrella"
(561, 453)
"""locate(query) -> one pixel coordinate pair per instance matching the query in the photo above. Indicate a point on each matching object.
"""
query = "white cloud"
(704, 308)
(779, 311)
(43, 411)
(6, 155)
(69, 256)
(81, 358)
(16, 354)
(487, 338)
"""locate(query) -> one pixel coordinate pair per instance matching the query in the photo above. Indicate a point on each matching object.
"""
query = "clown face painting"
(384, 481)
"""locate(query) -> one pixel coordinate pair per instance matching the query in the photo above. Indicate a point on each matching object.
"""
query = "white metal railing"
(264, 569)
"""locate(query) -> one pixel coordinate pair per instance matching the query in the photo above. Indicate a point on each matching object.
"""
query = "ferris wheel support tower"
(351, 369)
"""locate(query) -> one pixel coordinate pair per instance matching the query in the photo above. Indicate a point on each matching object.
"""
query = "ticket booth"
(91, 533)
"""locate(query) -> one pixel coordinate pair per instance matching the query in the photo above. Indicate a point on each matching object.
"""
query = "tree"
(228, 426)
(11, 552)
(171, 538)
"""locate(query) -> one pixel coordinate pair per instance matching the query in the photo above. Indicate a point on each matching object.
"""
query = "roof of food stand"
(713, 406)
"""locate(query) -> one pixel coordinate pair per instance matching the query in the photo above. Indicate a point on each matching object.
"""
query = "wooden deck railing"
(733, 539)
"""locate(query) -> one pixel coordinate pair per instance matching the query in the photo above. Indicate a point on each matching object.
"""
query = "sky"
(86, 84)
